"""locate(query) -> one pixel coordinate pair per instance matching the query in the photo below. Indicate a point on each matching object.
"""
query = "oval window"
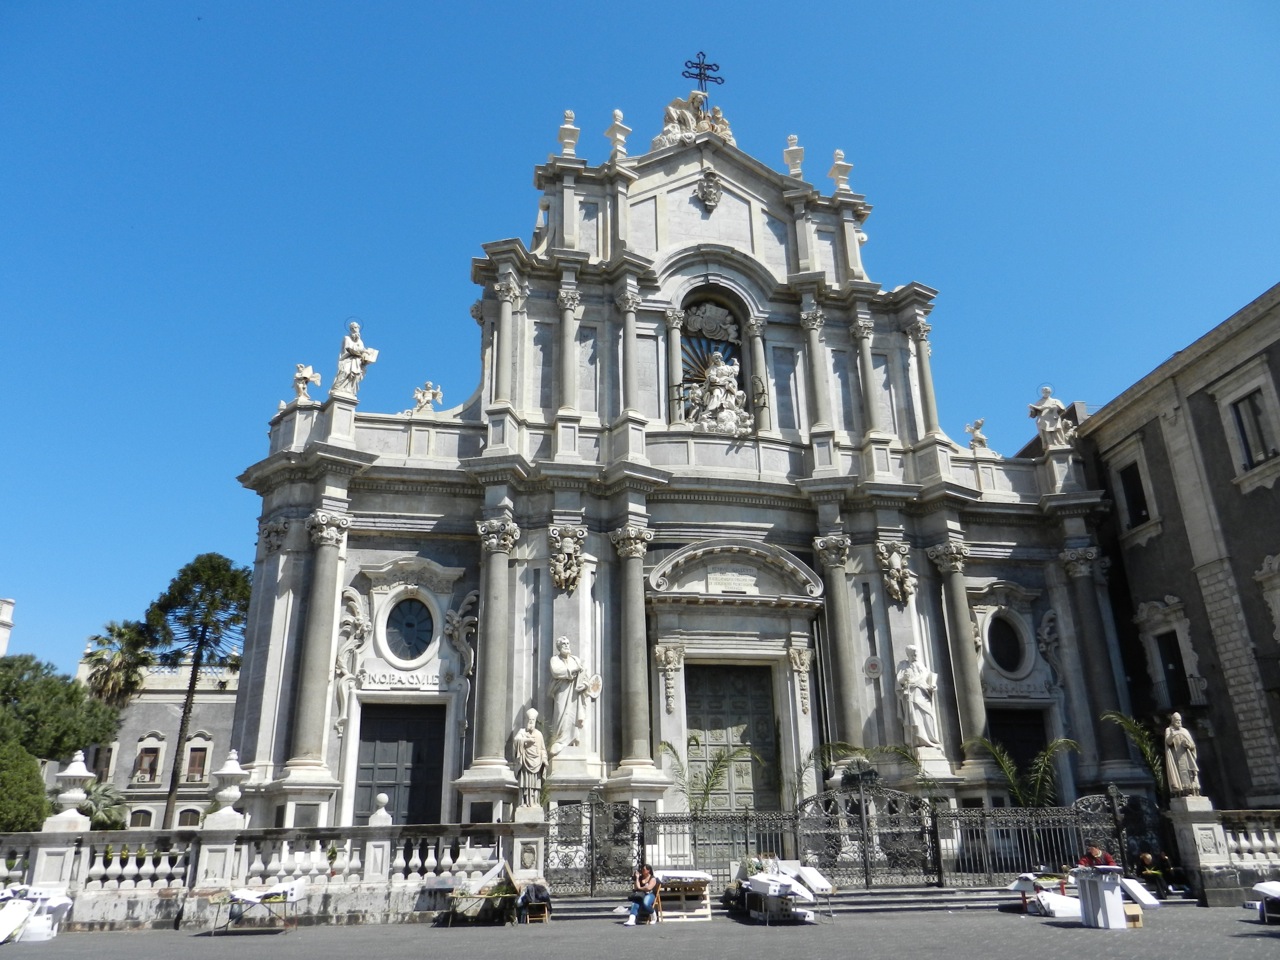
(409, 629)
(1005, 645)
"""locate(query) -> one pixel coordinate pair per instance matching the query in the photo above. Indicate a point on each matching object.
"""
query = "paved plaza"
(1186, 932)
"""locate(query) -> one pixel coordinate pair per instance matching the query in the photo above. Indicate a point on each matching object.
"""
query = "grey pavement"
(1187, 933)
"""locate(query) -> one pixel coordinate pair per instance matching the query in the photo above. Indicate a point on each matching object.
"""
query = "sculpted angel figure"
(303, 376)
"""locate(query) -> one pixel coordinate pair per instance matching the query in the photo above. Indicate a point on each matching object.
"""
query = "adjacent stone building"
(1191, 455)
(705, 448)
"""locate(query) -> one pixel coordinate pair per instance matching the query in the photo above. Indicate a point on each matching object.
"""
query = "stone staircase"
(843, 903)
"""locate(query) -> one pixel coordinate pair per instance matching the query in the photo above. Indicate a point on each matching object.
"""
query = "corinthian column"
(631, 542)
(833, 550)
(568, 301)
(812, 321)
(759, 392)
(629, 303)
(1096, 657)
(327, 531)
(862, 328)
(919, 332)
(675, 366)
(507, 290)
(497, 539)
(949, 556)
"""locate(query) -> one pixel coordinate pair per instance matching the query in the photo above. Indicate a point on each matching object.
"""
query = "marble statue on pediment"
(1050, 416)
(977, 439)
(352, 361)
(918, 692)
(685, 119)
(571, 688)
(530, 761)
(303, 377)
(1181, 760)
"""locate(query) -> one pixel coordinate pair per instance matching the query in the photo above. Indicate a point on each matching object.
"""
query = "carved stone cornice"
(675, 319)
(812, 319)
(949, 556)
(271, 534)
(508, 291)
(497, 536)
(801, 660)
(631, 541)
(862, 328)
(327, 529)
(833, 550)
(670, 660)
(1079, 561)
(565, 543)
(568, 300)
(628, 302)
(919, 330)
(899, 579)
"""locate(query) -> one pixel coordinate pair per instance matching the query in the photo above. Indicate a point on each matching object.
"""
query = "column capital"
(813, 319)
(918, 330)
(675, 319)
(498, 536)
(568, 299)
(949, 556)
(1079, 561)
(631, 541)
(327, 529)
(507, 290)
(862, 328)
(755, 326)
(833, 549)
(628, 302)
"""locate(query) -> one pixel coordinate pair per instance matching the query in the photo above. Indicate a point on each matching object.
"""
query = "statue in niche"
(1181, 761)
(917, 692)
(303, 377)
(571, 688)
(531, 760)
(353, 359)
(1050, 420)
(716, 404)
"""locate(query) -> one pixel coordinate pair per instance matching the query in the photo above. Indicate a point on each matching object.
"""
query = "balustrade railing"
(1253, 836)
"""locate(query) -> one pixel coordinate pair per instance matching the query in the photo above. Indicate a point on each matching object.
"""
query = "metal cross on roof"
(701, 71)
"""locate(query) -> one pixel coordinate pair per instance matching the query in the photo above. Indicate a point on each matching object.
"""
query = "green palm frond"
(1041, 781)
(1148, 745)
(1008, 768)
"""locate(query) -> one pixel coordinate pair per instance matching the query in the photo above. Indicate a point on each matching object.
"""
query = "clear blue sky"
(196, 195)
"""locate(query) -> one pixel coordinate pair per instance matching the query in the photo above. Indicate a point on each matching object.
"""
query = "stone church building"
(705, 449)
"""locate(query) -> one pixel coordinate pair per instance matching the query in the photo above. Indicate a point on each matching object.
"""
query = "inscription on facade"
(731, 578)
(380, 675)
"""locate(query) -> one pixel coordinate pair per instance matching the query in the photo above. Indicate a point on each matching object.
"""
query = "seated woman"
(644, 894)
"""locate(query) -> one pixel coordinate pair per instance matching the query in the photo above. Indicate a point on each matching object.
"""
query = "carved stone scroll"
(670, 659)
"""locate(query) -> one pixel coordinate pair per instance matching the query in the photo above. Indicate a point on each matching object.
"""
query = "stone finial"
(839, 172)
(568, 136)
(617, 134)
(793, 156)
(380, 817)
(72, 781)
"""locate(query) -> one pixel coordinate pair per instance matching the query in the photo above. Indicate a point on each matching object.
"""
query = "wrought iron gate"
(592, 847)
(869, 835)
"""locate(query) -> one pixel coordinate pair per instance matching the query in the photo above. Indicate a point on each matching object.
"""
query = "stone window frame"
(397, 595)
(151, 740)
(1021, 626)
(191, 814)
(137, 813)
(1254, 375)
(1154, 619)
(200, 740)
(1128, 452)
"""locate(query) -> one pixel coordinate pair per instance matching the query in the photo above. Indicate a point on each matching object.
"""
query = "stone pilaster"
(812, 321)
(833, 552)
(568, 300)
(497, 539)
(1100, 681)
(507, 291)
(862, 329)
(759, 392)
(675, 366)
(918, 331)
(628, 303)
(949, 557)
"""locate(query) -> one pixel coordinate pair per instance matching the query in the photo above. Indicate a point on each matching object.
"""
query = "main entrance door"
(729, 710)
(401, 755)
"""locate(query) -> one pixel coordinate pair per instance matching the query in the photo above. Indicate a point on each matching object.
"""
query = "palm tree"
(105, 806)
(118, 662)
(1037, 787)
(1149, 748)
(198, 622)
(698, 786)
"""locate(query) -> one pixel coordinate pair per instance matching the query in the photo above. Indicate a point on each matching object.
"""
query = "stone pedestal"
(1202, 849)
(529, 844)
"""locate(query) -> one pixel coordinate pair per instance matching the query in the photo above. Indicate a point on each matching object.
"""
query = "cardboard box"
(1133, 916)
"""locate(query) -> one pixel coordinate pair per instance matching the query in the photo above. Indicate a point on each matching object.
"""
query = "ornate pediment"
(414, 572)
(732, 568)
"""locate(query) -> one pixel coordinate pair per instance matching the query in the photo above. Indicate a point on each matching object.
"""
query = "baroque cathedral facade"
(705, 450)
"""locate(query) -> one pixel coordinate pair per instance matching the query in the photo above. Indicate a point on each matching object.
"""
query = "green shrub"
(23, 805)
